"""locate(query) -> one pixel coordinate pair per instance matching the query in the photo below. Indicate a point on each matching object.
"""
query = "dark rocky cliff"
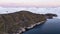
(14, 23)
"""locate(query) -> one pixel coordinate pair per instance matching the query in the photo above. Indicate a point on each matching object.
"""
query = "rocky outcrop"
(50, 15)
(18, 22)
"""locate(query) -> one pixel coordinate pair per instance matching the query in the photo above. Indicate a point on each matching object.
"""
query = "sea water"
(51, 26)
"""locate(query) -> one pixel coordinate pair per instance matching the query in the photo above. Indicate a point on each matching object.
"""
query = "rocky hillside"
(18, 22)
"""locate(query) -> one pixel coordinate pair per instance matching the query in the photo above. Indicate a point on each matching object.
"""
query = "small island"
(18, 22)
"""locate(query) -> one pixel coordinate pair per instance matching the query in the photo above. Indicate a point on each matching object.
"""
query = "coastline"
(31, 27)
(51, 26)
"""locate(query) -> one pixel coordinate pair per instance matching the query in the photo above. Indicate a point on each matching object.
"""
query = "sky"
(29, 3)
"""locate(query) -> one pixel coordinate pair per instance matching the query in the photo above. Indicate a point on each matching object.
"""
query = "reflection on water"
(52, 26)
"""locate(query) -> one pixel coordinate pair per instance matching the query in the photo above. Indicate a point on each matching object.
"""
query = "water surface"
(52, 26)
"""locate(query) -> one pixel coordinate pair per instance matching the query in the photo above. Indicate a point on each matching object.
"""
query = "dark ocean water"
(51, 26)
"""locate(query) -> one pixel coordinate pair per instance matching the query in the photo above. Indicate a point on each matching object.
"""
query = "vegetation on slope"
(13, 22)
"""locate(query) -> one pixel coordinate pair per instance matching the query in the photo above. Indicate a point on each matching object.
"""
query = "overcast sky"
(29, 3)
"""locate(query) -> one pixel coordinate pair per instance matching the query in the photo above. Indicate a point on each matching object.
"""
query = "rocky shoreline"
(32, 26)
